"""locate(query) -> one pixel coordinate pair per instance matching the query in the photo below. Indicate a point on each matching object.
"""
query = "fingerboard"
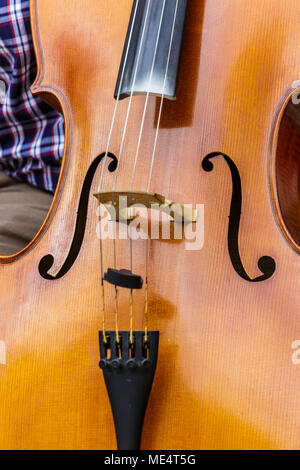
(151, 54)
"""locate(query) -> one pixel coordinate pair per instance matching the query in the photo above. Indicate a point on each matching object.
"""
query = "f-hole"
(266, 264)
(47, 261)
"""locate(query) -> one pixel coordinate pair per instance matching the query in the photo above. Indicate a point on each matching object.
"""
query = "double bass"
(180, 104)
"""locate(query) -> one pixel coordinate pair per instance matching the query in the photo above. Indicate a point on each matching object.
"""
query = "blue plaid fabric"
(31, 133)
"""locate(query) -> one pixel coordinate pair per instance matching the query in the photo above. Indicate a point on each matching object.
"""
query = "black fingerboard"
(150, 20)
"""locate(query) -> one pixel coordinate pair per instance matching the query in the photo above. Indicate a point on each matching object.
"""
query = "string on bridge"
(152, 165)
(118, 168)
(136, 157)
(138, 152)
(103, 168)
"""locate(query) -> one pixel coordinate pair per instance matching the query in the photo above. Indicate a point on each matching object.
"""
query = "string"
(117, 173)
(147, 97)
(130, 99)
(162, 98)
(117, 99)
(152, 165)
(136, 156)
(138, 152)
(104, 166)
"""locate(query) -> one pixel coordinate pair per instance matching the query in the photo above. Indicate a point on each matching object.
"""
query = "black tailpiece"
(128, 373)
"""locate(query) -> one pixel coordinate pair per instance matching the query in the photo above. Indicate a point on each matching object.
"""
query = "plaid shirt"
(31, 133)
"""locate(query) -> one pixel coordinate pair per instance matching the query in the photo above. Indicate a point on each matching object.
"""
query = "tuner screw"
(116, 364)
(146, 363)
(131, 364)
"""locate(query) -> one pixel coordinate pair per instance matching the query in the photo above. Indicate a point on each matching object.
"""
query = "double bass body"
(225, 378)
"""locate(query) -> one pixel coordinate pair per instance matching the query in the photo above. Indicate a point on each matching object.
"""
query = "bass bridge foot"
(128, 371)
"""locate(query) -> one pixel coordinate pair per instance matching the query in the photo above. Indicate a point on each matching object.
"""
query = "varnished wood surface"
(225, 377)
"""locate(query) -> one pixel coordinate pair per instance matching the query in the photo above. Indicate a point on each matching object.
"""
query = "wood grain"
(225, 377)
